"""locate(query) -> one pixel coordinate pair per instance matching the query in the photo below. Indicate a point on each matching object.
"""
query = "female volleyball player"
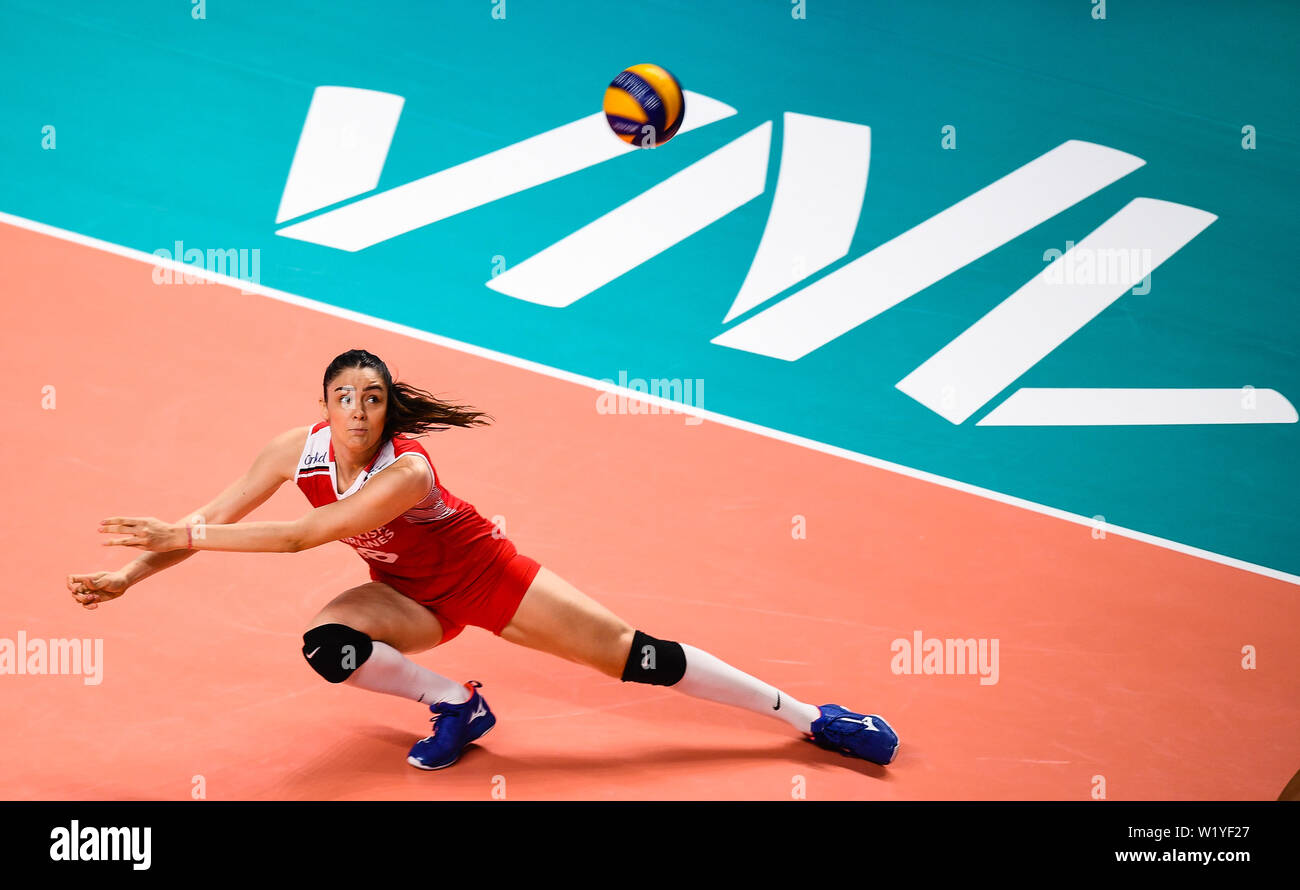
(436, 565)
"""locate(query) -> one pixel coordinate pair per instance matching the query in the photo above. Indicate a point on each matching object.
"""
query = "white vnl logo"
(816, 204)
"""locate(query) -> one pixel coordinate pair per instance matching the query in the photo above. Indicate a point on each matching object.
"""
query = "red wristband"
(189, 537)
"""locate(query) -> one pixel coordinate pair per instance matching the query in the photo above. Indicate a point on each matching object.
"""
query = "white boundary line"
(382, 324)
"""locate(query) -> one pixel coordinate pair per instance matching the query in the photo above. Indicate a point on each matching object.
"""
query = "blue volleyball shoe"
(454, 727)
(859, 735)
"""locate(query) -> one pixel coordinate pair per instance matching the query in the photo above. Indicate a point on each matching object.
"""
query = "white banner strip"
(566, 149)
(1071, 291)
(341, 150)
(1129, 407)
(931, 251)
(643, 227)
(815, 206)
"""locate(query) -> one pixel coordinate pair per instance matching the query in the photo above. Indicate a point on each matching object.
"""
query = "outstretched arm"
(385, 497)
(272, 467)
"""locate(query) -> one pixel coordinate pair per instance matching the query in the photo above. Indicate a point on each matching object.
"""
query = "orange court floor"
(1118, 660)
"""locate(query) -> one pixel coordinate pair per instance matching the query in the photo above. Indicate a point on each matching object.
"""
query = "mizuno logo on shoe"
(480, 711)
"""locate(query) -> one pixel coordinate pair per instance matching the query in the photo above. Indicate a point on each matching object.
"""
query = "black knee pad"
(657, 662)
(335, 650)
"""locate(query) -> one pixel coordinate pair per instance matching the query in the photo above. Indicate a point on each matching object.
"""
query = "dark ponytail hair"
(410, 410)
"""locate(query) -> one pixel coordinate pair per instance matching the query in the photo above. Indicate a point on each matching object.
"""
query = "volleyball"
(644, 105)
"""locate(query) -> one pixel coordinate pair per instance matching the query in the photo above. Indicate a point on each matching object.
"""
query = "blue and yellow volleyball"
(645, 105)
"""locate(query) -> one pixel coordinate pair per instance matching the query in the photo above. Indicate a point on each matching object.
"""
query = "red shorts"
(489, 602)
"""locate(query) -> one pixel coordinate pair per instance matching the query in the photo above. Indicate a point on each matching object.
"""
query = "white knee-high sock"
(391, 672)
(711, 678)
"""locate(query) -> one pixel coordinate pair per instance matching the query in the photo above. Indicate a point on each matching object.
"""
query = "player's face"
(356, 407)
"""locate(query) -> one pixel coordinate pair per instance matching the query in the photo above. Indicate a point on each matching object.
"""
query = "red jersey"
(442, 541)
